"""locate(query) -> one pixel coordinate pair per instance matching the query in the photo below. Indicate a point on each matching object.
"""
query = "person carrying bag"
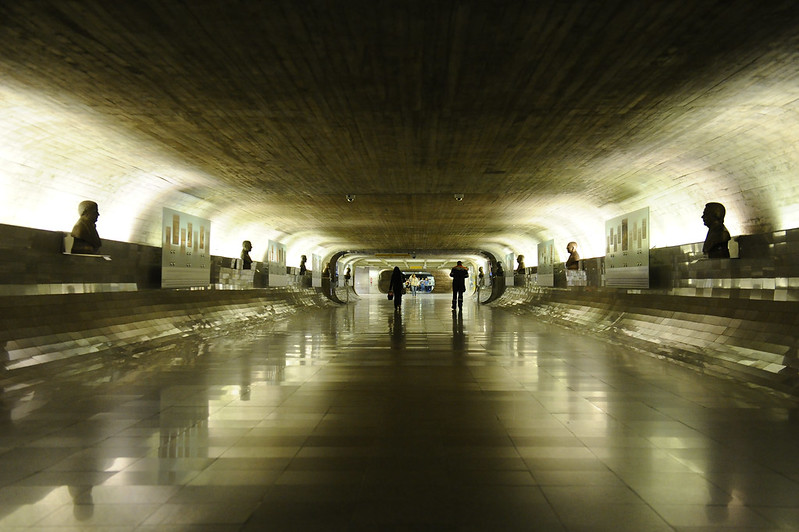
(396, 287)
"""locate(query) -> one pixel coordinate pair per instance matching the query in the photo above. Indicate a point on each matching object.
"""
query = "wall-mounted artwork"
(509, 266)
(316, 273)
(627, 250)
(185, 251)
(276, 261)
(546, 263)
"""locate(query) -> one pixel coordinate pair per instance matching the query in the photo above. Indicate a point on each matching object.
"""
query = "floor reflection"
(363, 418)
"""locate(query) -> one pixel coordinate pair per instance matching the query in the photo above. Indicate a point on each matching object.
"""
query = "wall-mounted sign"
(316, 272)
(185, 251)
(276, 263)
(627, 250)
(509, 266)
(546, 263)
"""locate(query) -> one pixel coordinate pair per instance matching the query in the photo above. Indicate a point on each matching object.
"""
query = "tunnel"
(203, 202)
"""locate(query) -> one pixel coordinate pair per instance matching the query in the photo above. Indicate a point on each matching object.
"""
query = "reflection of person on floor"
(459, 274)
(458, 338)
(83, 503)
(87, 241)
(396, 285)
(396, 331)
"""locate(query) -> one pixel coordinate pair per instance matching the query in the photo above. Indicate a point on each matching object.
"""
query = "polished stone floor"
(360, 418)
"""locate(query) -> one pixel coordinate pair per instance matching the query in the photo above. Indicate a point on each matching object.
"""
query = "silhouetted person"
(499, 272)
(481, 276)
(573, 262)
(347, 276)
(459, 274)
(717, 235)
(303, 269)
(396, 285)
(87, 240)
(246, 261)
(520, 262)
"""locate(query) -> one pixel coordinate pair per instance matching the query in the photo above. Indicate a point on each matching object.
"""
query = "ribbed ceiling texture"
(549, 117)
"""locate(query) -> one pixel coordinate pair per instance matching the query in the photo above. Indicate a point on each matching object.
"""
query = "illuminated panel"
(316, 272)
(185, 255)
(510, 258)
(627, 250)
(546, 263)
(276, 260)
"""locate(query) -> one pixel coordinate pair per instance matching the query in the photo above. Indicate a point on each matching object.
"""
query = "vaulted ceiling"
(548, 116)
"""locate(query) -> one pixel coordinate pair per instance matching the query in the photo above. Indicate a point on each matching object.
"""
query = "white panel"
(627, 250)
(185, 255)
(276, 263)
(546, 263)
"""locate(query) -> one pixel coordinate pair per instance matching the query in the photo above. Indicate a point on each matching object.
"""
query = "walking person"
(459, 275)
(414, 282)
(397, 285)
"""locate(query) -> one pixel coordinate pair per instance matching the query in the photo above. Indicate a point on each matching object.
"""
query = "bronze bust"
(573, 262)
(87, 241)
(246, 261)
(716, 241)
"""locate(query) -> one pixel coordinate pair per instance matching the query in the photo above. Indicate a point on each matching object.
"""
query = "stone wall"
(32, 262)
(47, 328)
(733, 317)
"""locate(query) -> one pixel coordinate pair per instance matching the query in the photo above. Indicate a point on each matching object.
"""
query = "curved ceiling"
(549, 117)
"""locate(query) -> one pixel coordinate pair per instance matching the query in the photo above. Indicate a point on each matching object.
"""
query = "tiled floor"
(358, 418)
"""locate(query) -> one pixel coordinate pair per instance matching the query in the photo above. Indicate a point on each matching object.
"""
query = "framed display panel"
(316, 271)
(509, 267)
(276, 264)
(546, 263)
(627, 250)
(185, 250)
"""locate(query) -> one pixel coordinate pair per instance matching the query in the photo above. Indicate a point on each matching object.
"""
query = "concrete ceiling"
(549, 117)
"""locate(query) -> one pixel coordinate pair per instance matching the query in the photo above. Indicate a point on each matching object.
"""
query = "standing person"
(303, 268)
(481, 277)
(459, 274)
(396, 285)
(347, 276)
(414, 281)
